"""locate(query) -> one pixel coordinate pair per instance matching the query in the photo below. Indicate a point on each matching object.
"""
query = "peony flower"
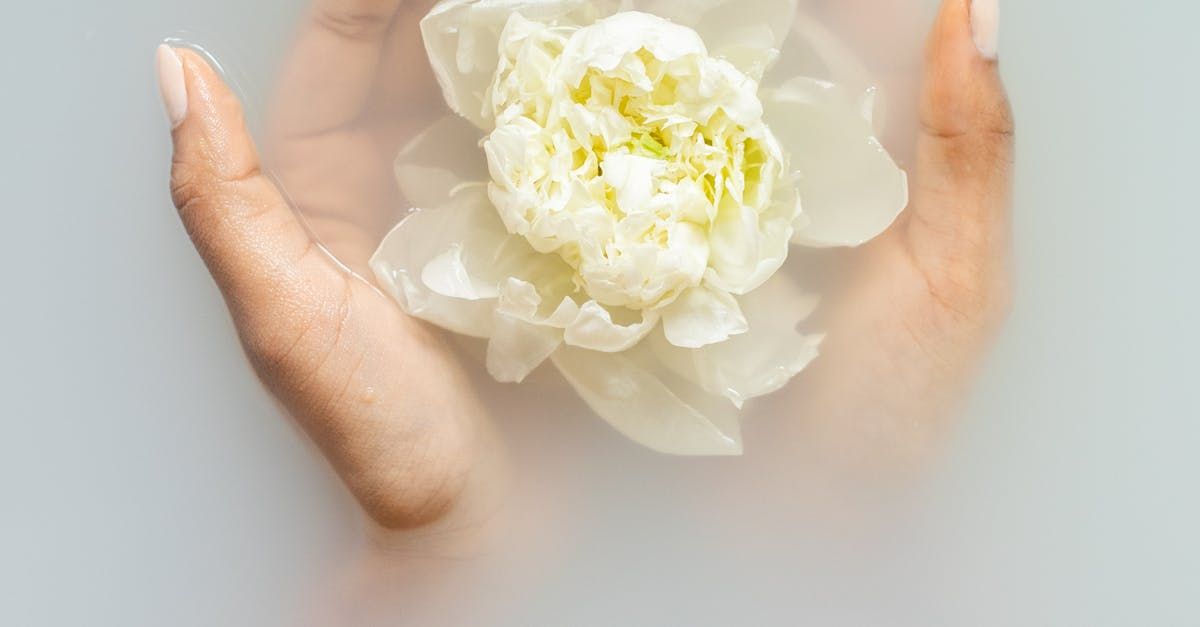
(618, 191)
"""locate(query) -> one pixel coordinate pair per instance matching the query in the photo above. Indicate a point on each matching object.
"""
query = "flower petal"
(747, 248)
(703, 316)
(524, 336)
(812, 50)
(462, 38)
(651, 410)
(401, 259)
(606, 44)
(594, 329)
(850, 188)
(447, 274)
(475, 253)
(747, 33)
(438, 160)
(517, 348)
(758, 362)
(445, 265)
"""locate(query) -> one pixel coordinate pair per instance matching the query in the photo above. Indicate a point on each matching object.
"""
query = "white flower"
(634, 198)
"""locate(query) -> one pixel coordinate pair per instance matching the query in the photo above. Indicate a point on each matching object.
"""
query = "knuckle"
(204, 197)
(981, 131)
(1002, 120)
(187, 184)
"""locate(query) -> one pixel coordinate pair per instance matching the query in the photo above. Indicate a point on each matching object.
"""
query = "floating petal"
(703, 316)
(758, 362)
(445, 265)
(596, 330)
(645, 407)
(523, 336)
(850, 188)
(398, 265)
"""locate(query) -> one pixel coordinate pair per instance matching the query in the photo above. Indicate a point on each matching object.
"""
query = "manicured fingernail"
(985, 26)
(172, 85)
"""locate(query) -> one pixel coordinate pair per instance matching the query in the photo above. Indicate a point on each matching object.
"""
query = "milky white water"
(147, 479)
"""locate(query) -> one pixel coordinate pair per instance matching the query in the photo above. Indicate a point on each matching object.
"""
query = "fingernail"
(985, 26)
(172, 85)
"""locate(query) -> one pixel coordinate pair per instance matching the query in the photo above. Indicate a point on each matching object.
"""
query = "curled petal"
(518, 347)
(662, 413)
(755, 363)
(594, 329)
(606, 45)
(447, 274)
(590, 326)
(438, 161)
(398, 265)
(444, 265)
(703, 316)
(747, 247)
(522, 300)
(524, 335)
(850, 188)
(462, 38)
(475, 252)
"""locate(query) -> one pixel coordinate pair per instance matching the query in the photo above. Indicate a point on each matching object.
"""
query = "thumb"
(959, 230)
(248, 236)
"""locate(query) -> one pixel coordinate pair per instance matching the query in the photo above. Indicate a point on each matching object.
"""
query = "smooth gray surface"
(146, 479)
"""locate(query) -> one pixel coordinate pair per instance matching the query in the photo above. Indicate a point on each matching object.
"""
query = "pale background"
(146, 479)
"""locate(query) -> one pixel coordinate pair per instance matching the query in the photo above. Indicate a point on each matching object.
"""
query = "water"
(148, 479)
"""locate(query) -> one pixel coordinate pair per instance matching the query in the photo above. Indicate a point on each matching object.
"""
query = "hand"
(927, 297)
(381, 394)
(378, 392)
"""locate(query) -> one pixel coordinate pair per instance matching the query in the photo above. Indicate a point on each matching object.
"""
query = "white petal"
(633, 177)
(758, 362)
(462, 38)
(594, 329)
(747, 33)
(447, 274)
(473, 251)
(517, 348)
(850, 188)
(444, 265)
(606, 44)
(645, 408)
(477, 253)
(439, 160)
(398, 263)
(703, 316)
(748, 248)
(813, 51)
(519, 299)
(524, 336)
